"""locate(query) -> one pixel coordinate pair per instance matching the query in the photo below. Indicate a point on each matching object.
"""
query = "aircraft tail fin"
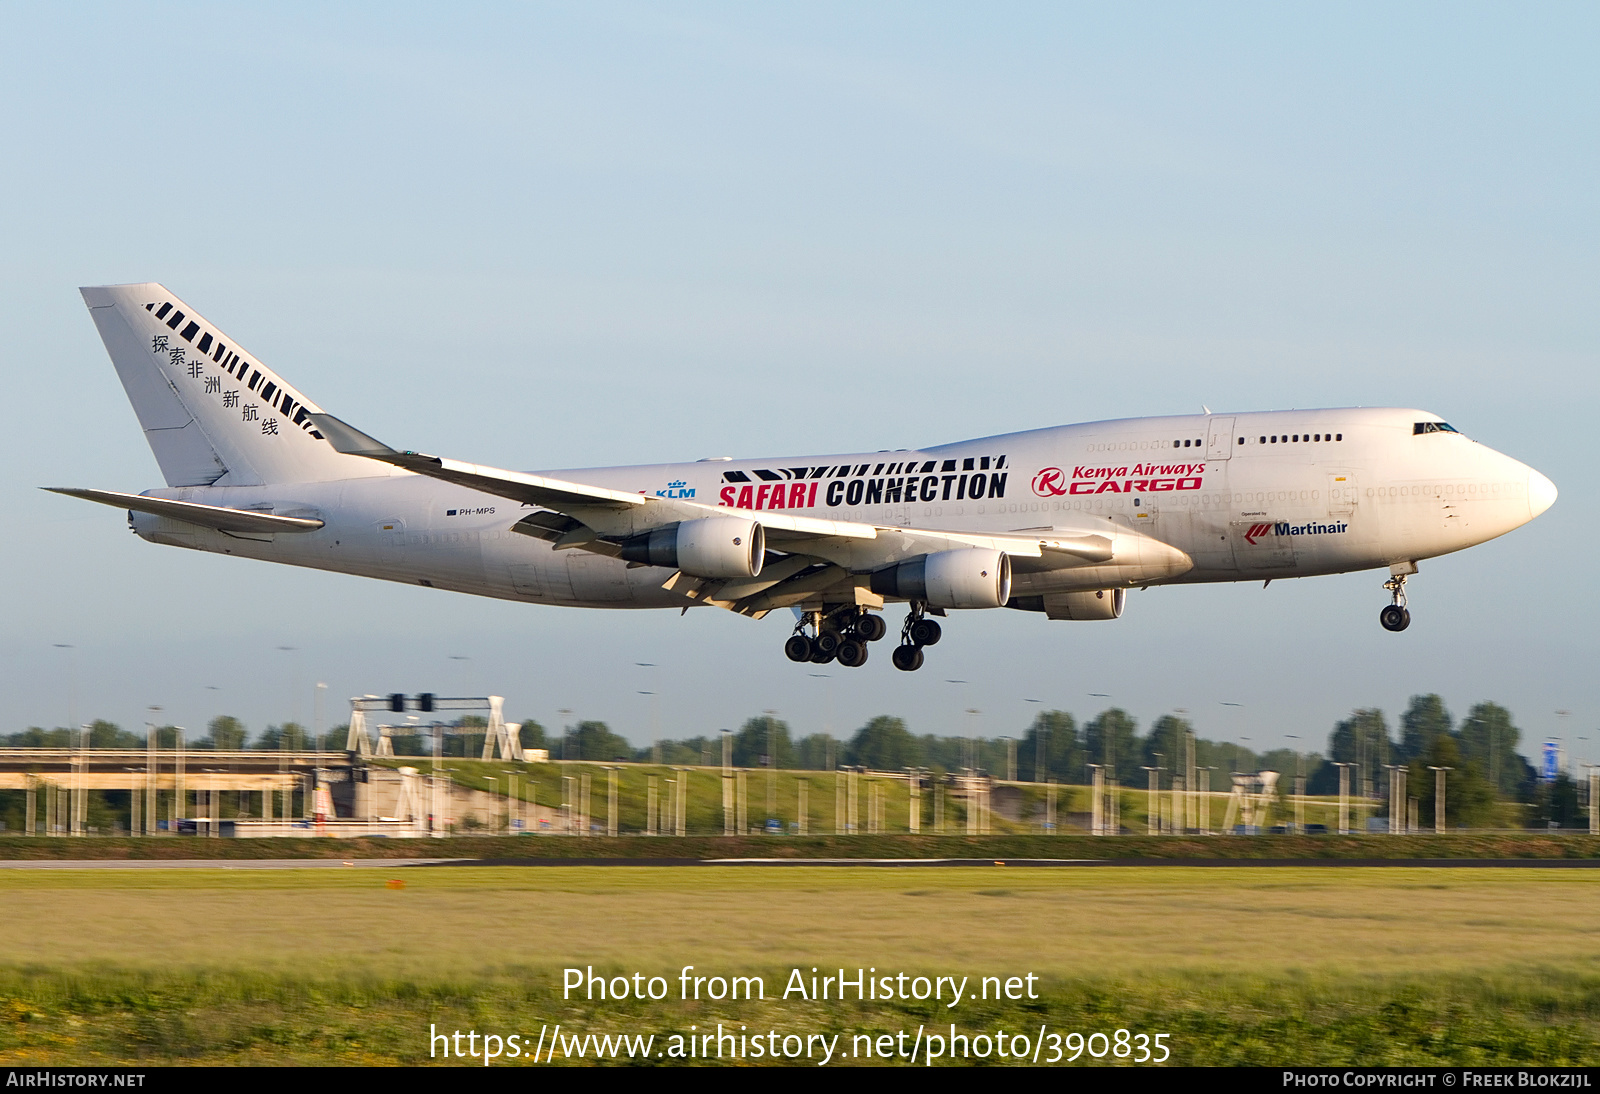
(211, 412)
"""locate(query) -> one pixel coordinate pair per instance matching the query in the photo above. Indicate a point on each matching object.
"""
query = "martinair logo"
(1284, 528)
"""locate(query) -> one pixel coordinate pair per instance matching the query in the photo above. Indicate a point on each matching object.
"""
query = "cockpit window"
(1433, 427)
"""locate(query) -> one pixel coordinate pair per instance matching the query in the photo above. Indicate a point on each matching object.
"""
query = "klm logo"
(678, 488)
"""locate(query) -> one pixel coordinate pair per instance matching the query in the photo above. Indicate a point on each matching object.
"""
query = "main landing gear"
(1396, 617)
(840, 635)
(918, 631)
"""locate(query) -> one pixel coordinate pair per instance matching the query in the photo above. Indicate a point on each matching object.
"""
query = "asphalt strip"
(394, 863)
(1033, 862)
(213, 863)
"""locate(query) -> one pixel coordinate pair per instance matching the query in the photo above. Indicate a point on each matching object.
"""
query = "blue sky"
(561, 235)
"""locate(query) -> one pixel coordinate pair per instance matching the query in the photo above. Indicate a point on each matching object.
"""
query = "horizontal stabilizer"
(218, 517)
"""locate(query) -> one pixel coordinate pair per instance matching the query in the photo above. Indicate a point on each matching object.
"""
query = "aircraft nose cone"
(1541, 494)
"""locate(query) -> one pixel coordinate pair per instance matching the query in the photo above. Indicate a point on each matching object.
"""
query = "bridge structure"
(187, 783)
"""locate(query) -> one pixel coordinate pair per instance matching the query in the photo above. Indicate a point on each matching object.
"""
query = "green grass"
(1302, 965)
(825, 810)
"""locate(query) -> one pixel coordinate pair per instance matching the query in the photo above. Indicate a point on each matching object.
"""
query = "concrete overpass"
(188, 783)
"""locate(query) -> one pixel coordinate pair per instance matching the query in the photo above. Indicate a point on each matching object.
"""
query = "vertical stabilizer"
(213, 414)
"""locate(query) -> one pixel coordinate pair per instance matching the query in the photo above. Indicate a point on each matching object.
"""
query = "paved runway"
(214, 863)
(394, 863)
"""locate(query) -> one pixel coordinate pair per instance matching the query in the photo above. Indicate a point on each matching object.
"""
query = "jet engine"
(717, 547)
(970, 577)
(1089, 604)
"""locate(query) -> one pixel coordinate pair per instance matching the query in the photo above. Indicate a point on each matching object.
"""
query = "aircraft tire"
(871, 628)
(827, 642)
(925, 632)
(907, 658)
(798, 648)
(852, 653)
(1394, 618)
(820, 658)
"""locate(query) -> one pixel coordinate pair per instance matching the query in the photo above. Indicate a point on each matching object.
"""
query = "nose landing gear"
(1396, 617)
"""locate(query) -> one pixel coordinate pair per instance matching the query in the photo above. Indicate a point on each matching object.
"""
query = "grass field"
(1310, 965)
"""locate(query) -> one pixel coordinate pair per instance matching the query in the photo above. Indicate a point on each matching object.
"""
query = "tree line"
(1481, 750)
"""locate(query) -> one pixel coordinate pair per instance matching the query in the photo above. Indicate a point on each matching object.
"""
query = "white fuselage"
(1245, 497)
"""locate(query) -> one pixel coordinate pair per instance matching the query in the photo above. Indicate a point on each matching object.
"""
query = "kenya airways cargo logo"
(1050, 483)
(1142, 478)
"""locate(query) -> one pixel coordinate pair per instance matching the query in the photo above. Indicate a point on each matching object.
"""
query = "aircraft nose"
(1541, 494)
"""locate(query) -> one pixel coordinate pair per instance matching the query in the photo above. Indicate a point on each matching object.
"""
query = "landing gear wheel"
(852, 653)
(907, 658)
(925, 632)
(1395, 618)
(820, 658)
(827, 642)
(871, 628)
(798, 648)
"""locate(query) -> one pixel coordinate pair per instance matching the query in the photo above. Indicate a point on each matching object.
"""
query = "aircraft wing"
(823, 555)
(606, 512)
(219, 517)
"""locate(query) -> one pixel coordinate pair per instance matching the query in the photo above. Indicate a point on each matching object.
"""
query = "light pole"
(655, 711)
(1040, 732)
(966, 743)
(316, 717)
(1152, 801)
(151, 802)
(1299, 786)
(655, 738)
(772, 767)
(294, 683)
(727, 782)
(72, 680)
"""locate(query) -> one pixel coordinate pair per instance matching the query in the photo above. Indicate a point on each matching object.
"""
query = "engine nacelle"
(1091, 604)
(969, 577)
(720, 547)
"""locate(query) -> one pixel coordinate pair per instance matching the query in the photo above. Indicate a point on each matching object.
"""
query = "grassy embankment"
(1238, 966)
(827, 798)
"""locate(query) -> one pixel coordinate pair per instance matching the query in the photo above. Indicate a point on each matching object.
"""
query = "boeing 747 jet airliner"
(1061, 521)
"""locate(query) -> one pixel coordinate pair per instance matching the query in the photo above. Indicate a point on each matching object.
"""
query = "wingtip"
(347, 439)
